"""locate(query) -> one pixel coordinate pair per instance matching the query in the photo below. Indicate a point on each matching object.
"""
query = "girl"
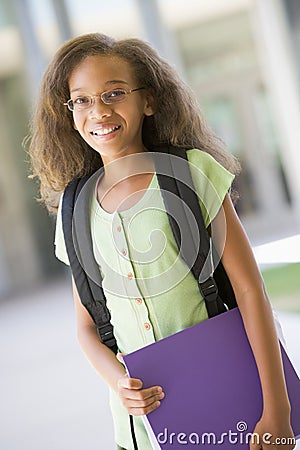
(109, 103)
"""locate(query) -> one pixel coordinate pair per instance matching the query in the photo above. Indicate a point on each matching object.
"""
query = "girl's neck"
(127, 166)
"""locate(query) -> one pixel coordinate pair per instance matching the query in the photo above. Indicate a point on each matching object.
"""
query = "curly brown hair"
(57, 151)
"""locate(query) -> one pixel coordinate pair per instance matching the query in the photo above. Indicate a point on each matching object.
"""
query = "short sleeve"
(59, 242)
(212, 182)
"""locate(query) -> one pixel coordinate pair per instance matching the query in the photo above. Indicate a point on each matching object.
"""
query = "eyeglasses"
(108, 97)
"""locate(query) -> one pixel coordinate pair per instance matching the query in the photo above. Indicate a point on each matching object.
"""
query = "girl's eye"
(82, 101)
(115, 94)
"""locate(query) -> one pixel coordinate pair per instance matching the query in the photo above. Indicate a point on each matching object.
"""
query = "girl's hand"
(273, 435)
(138, 401)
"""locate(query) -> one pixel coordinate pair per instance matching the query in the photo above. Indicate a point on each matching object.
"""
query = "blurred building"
(239, 56)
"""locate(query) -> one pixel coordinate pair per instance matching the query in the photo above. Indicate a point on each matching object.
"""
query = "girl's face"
(115, 129)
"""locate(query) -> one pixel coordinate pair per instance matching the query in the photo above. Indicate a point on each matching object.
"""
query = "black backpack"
(180, 199)
(174, 177)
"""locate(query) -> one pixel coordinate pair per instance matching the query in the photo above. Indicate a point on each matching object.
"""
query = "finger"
(255, 443)
(120, 357)
(142, 403)
(141, 397)
(143, 410)
(140, 394)
(125, 382)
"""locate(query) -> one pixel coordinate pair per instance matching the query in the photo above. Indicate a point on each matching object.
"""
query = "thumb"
(120, 357)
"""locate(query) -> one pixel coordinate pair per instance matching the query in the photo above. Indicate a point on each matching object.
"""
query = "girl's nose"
(100, 109)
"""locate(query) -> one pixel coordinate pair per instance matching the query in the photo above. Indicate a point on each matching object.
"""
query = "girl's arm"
(241, 267)
(136, 400)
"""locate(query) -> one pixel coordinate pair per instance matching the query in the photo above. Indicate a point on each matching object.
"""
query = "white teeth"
(104, 131)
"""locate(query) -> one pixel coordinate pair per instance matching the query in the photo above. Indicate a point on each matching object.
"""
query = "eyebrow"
(107, 83)
(116, 82)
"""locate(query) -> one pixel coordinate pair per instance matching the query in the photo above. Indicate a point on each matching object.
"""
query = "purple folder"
(213, 392)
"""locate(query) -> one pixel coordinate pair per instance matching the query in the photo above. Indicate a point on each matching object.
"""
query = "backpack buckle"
(209, 289)
(105, 333)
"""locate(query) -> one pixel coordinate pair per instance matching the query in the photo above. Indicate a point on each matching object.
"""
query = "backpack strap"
(174, 176)
(187, 225)
(86, 274)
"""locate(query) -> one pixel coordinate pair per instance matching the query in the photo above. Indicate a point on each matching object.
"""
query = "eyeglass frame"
(92, 97)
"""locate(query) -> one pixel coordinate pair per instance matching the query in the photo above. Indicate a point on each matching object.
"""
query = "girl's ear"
(150, 105)
(74, 126)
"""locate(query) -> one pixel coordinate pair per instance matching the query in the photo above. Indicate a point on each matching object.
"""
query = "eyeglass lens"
(86, 101)
(108, 97)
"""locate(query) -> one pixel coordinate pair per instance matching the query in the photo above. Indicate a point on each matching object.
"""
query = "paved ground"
(50, 397)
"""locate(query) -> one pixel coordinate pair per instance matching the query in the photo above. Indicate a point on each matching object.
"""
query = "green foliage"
(283, 286)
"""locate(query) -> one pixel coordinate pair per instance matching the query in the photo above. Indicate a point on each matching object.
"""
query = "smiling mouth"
(105, 131)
